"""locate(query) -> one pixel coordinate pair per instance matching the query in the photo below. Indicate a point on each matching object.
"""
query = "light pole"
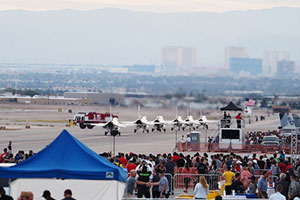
(114, 145)
(176, 139)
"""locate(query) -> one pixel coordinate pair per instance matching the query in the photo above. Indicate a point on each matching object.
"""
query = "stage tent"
(66, 163)
(231, 107)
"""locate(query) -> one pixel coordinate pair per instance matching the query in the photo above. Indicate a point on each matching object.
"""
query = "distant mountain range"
(123, 37)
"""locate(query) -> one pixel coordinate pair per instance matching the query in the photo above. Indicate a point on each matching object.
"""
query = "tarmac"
(46, 123)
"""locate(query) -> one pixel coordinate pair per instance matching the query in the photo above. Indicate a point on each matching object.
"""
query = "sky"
(148, 5)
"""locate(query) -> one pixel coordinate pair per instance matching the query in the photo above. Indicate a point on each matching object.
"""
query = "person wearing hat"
(47, 195)
(238, 166)
(3, 195)
(68, 195)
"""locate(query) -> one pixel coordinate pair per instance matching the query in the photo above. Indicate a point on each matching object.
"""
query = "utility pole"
(114, 145)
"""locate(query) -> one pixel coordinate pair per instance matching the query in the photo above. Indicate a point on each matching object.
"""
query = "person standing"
(201, 189)
(143, 182)
(3, 155)
(285, 185)
(202, 168)
(68, 195)
(187, 178)
(188, 141)
(239, 120)
(252, 186)
(228, 176)
(4, 196)
(155, 188)
(277, 195)
(163, 185)
(130, 184)
(262, 186)
(183, 143)
(47, 195)
(237, 184)
(275, 170)
(294, 187)
(245, 175)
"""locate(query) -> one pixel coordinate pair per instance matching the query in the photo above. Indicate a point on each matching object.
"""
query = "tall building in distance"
(251, 66)
(234, 52)
(270, 59)
(285, 69)
(176, 59)
(284, 55)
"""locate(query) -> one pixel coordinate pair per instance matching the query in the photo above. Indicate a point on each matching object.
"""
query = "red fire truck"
(84, 120)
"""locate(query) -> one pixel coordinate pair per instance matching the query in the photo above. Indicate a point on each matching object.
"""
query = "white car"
(270, 140)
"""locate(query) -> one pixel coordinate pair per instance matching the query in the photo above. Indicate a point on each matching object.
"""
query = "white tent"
(81, 189)
(66, 163)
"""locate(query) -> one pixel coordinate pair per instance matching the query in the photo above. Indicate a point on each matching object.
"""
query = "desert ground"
(46, 123)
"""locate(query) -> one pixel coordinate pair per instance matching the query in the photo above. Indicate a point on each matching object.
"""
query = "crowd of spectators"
(7, 155)
(256, 137)
(241, 174)
(28, 195)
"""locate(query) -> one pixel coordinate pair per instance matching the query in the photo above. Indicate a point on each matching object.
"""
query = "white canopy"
(81, 189)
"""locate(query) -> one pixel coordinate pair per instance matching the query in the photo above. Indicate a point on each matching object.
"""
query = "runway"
(46, 124)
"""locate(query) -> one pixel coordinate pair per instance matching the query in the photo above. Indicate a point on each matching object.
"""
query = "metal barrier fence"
(188, 181)
(238, 148)
(170, 179)
(181, 198)
(180, 182)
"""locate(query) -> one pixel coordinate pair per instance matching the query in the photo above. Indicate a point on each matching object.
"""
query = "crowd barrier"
(178, 182)
(237, 148)
(188, 198)
(190, 180)
(220, 170)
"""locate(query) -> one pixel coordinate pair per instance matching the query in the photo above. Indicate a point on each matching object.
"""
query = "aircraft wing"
(296, 119)
(115, 123)
(183, 122)
(100, 124)
(205, 120)
(128, 123)
(170, 122)
(156, 123)
(285, 120)
(195, 122)
(119, 124)
(211, 121)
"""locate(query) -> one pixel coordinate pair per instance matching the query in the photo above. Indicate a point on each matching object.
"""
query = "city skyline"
(149, 6)
(117, 37)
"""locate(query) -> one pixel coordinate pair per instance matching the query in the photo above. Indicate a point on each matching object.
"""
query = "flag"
(249, 102)
(248, 111)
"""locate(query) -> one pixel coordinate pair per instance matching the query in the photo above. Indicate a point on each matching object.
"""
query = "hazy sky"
(147, 5)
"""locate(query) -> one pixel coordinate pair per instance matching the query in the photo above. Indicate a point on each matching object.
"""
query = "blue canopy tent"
(66, 158)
